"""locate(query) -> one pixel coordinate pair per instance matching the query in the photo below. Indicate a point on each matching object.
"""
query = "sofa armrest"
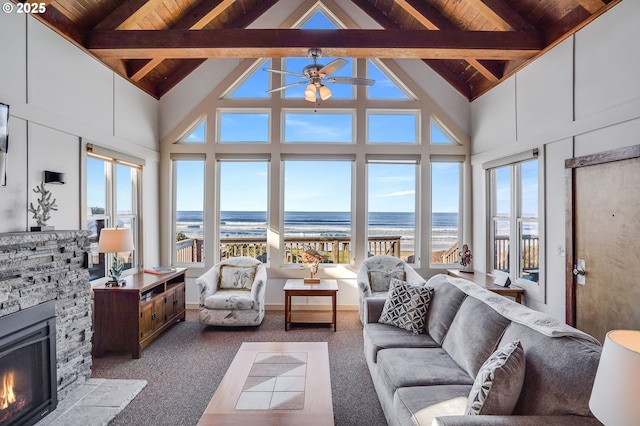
(373, 308)
(515, 421)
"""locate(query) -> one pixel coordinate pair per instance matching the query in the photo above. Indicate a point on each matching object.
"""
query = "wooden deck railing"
(337, 249)
(530, 253)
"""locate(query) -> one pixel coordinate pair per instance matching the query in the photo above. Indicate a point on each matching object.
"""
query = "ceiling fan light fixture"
(325, 93)
(310, 93)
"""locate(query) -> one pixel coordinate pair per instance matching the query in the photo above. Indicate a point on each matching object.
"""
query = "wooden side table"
(297, 287)
(486, 281)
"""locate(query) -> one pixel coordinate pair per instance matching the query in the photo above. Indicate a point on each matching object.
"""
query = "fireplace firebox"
(28, 390)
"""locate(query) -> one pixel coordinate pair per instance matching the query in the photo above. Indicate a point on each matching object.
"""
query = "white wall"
(592, 76)
(58, 96)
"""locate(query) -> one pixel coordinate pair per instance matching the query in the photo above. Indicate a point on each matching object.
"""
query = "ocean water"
(236, 224)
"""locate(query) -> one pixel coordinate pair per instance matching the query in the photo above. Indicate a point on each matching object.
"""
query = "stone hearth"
(36, 267)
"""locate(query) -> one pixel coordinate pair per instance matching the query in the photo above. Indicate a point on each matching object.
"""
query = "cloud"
(398, 193)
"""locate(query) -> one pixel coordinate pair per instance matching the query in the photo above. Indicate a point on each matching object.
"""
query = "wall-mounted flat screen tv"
(4, 142)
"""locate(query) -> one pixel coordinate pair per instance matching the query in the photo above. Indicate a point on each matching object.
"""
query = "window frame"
(112, 160)
(460, 161)
(535, 290)
(174, 200)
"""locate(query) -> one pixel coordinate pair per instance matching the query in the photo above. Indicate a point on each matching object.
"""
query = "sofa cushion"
(383, 336)
(233, 277)
(474, 334)
(380, 279)
(499, 382)
(406, 306)
(445, 302)
(402, 367)
(559, 375)
(230, 299)
(419, 405)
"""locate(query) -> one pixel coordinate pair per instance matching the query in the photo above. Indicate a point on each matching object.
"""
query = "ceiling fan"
(316, 75)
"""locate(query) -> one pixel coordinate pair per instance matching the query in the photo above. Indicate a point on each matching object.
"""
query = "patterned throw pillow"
(234, 277)
(381, 278)
(499, 382)
(406, 306)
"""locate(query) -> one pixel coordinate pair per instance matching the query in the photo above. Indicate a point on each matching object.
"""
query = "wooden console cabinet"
(129, 317)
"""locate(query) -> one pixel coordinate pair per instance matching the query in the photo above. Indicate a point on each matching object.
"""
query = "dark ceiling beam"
(431, 19)
(234, 43)
(197, 18)
(438, 66)
(188, 66)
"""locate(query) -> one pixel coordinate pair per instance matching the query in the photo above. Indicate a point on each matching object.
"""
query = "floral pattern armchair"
(223, 305)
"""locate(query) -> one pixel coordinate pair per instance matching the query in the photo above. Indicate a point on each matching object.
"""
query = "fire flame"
(7, 396)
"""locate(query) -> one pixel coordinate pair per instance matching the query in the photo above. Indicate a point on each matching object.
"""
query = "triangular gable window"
(254, 85)
(197, 135)
(384, 88)
(439, 136)
(317, 21)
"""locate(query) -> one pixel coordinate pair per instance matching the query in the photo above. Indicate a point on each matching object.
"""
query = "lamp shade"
(615, 398)
(325, 93)
(310, 93)
(114, 240)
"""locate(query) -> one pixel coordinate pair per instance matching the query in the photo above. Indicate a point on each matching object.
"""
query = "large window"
(112, 201)
(349, 176)
(392, 209)
(515, 236)
(317, 210)
(243, 209)
(188, 211)
(445, 212)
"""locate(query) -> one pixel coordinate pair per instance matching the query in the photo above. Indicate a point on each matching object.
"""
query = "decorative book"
(158, 270)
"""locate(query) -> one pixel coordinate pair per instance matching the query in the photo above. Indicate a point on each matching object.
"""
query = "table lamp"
(115, 240)
(615, 398)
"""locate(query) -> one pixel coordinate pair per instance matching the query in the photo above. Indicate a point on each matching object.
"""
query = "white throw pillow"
(234, 277)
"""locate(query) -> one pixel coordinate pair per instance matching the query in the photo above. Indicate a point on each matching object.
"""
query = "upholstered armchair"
(232, 293)
(375, 274)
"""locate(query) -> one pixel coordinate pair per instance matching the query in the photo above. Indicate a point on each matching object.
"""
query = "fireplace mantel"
(36, 267)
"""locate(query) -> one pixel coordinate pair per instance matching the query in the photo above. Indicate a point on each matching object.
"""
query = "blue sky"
(313, 186)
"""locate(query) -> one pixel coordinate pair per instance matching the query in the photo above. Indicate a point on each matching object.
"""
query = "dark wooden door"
(605, 233)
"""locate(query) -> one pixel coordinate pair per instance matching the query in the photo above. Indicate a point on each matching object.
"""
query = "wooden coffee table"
(297, 287)
(274, 383)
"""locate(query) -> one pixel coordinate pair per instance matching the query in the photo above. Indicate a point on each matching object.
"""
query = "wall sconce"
(55, 177)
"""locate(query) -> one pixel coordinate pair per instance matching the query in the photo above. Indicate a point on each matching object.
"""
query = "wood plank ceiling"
(472, 44)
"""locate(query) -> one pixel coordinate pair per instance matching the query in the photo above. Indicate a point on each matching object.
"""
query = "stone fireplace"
(44, 272)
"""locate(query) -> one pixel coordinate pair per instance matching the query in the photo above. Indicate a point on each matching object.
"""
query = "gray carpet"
(185, 364)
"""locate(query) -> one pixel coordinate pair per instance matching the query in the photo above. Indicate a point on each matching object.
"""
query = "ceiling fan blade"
(351, 80)
(277, 89)
(332, 66)
(295, 74)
